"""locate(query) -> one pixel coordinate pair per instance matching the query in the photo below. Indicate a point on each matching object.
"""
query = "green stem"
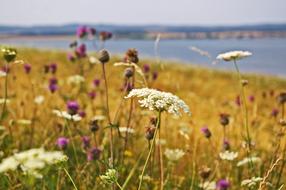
(150, 151)
(5, 92)
(70, 179)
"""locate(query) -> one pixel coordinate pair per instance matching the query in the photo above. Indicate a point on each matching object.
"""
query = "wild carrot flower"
(2, 73)
(223, 184)
(66, 115)
(251, 182)
(126, 130)
(62, 142)
(110, 177)
(174, 155)
(227, 155)
(75, 79)
(245, 161)
(234, 55)
(27, 68)
(208, 185)
(159, 101)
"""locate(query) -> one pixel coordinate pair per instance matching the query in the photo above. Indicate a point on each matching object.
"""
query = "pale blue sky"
(188, 12)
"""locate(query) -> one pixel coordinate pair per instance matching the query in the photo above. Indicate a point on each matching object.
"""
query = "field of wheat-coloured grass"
(97, 121)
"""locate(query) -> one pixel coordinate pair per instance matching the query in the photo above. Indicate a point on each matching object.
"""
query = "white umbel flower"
(66, 115)
(227, 155)
(32, 161)
(208, 185)
(159, 101)
(75, 80)
(39, 99)
(234, 55)
(2, 100)
(3, 74)
(126, 130)
(248, 160)
(174, 154)
(251, 182)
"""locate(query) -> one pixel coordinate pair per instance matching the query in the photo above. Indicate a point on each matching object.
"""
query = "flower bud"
(103, 56)
(132, 55)
(128, 72)
(93, 126)
(224, 119)
(149, 134)
(282, 98)
(205, 172)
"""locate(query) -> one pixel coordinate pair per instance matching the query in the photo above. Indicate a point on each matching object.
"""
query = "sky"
(139, 12)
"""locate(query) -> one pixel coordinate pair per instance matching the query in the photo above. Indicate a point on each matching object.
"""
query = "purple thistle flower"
(86, 142)
(81, 51)
(92, 31)
(27, 68)
(81, 31)
(226, 144)
(146, 68)
(251, 98)
(93, 154)
(96, 82)
(62, 142)
(223, 184)
(155, 75)
(275, 112)
(92, 95)
(53, 87)
(71, 57)
(82, 113)
(72, 107)
(53, 80)
(53, 68)
(206, 132)
(238, 101)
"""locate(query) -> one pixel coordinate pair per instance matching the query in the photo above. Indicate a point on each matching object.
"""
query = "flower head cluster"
(208, 185)
(66, 115)
(32, 161)
(159, 101)
(251, 182)
(227, 155)
(75, 79)
(174, 155)
(248, 160)
(234, 55)
(110, 177)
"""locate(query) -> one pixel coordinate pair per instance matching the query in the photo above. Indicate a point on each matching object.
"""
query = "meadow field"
(97, 121)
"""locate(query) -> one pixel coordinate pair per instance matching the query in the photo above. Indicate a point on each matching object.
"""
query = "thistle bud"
(224, 119)
(9, 54)
(282, 98)
(128, 73)
(205, 172)
(244, 82)
(93, 126)
(103, 56)
(149, 134)
(132, 56)
(206, 132)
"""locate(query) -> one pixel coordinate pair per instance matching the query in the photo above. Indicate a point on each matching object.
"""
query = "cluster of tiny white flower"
(174, 155)
(208, 185)
(248, 160)
(234, 55)
(159, 101)
(125, 129)
(227, 155)
(39, 99)
(251, 182)
(2, 74)
(66, 115)
(110, 177)
(32, 161)
(75, 79)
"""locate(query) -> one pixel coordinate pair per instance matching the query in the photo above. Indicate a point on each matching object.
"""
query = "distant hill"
(143, 31)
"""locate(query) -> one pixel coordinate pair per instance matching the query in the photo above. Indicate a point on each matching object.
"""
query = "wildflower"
(82, 113)
(66, 115)
(128, 73)
(251, 98)
(103, 56)
(105, 35)
(131, 56)
(205, 172)
(224, 119)
(93, 154)
(146, 68)
(174, 155)
(244, 82)
(53, 68)
(62, 142)
(9, 54)
(227, 155)
(92, 31)
(110, 177)
(149, 134)
(2, 100)
(73, 44)
(39, 99)
(226, 144)
(71, 57)
(184, 131)
(75, 79)
(72, 107)
(206, 132)
(238, 101)
(161, 142)
(93, 125)
(275, 112)
(159, 101)
(282, 98)
(234, 55)
(86, 142)
(251, 182)
(223, 184)
(53, 87)
(81, 51)
(154, 75)
(248, 160)
(27, 68)
(208, 185)
(96, 82)
(2, 73)
(32, 161)
(92, 94)
(82, 31)
(126, 130)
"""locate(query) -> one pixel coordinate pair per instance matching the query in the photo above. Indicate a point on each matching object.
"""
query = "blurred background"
(193, 32)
